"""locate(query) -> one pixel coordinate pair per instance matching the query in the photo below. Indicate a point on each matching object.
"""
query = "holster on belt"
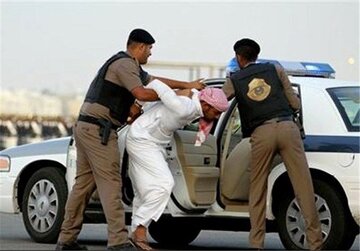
(104, 124)
(105, 129)
(298, 122)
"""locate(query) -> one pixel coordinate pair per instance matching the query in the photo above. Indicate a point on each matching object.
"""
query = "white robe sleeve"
(169, 98)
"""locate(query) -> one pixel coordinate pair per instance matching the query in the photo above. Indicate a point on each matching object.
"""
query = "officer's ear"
(240, 60)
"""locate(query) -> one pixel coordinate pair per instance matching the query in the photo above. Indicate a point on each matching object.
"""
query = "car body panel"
(55, 150)
(331, 149)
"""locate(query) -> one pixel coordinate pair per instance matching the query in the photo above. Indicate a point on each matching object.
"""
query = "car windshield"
(347, 100)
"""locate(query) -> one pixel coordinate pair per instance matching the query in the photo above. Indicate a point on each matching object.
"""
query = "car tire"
(333, 215)
(43, 204)
(171, 232)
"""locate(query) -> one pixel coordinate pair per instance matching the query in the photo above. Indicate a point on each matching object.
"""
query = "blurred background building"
(28, 116)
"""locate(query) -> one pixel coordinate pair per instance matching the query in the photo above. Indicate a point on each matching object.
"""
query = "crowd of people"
(123, 93)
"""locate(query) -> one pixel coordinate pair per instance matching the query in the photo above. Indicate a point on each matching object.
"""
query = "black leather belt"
(278, 119)
(95, 121)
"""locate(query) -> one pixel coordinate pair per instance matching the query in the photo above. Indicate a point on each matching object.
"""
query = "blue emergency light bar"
(305, 69)
(292, 68)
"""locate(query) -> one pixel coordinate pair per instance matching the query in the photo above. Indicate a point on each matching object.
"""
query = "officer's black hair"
(247, 48)
(247, 52)
(140, 36)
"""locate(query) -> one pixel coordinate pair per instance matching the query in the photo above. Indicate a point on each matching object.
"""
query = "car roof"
(321, 83)
(313, 82)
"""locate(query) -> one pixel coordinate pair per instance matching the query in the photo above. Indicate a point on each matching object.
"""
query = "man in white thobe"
(146, 140)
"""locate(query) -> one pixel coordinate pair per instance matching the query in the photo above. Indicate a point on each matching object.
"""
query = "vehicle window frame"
(345, 118)
(299, 95)
(222, 126)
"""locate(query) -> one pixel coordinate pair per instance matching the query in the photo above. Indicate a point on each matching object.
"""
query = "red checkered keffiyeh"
(217, 99)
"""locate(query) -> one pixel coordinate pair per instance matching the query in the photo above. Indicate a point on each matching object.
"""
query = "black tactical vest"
(118, 99)
(260, 96)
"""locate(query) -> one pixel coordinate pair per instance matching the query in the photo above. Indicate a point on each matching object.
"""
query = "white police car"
(35, 178)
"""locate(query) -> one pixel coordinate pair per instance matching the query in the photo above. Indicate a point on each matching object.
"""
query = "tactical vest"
(118, 99)
(260, 96)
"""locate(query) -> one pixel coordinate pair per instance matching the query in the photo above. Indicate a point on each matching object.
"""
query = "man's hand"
(134, 113)
(197, 84)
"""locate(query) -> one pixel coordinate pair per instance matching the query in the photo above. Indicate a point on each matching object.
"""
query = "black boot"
(69, 246)
(124, 247)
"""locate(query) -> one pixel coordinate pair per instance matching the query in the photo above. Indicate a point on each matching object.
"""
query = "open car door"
(194, 170)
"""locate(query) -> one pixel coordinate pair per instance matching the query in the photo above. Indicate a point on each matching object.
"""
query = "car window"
(232, 133)
(193, 126)
(347, 100)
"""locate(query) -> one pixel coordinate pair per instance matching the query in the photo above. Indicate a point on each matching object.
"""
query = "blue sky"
(60, 45)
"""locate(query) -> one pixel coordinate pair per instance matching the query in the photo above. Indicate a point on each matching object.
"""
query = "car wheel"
(43, 204)
(332, 214)
(168, 231)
